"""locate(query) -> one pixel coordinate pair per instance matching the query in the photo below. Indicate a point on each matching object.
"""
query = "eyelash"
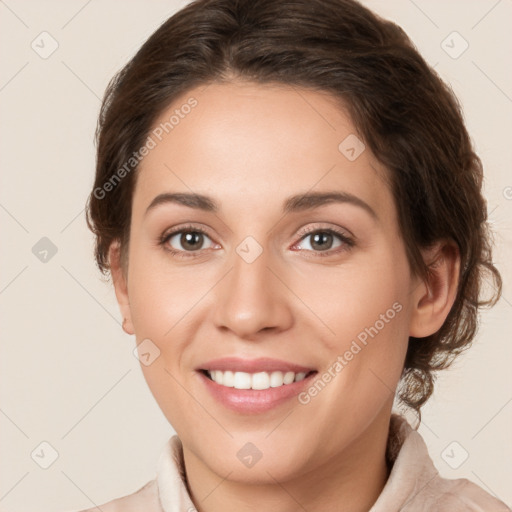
(348, 242)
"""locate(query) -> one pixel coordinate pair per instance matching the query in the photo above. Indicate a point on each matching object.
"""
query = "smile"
(258, 381)
(253, 386)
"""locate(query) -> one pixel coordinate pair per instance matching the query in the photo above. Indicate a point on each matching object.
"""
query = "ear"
(434, 297)
(120, 286)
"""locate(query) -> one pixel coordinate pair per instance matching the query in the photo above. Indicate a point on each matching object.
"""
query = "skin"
(250, 147)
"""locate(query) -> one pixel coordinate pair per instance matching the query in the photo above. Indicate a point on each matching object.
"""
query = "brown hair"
(405, 114)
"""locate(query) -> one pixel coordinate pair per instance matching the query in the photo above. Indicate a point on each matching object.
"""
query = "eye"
(189, 241)
(186, 240)
(327, 241)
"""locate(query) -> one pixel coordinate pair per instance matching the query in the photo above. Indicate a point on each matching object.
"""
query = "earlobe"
(434, 298)
(127, 329)
(120, 286)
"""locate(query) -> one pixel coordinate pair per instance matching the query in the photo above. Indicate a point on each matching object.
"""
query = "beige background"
(69, 377)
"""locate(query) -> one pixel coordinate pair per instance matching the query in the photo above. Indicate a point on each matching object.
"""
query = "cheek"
(351, 299)
(160, 295)
(366, 310)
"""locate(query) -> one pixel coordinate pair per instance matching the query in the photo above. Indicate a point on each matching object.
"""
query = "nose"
(251, 299)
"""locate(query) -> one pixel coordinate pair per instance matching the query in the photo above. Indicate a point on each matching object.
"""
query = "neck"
(354, 478)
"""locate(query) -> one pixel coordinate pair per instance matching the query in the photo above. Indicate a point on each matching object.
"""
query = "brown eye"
(192, 240)
(323, 240)
(187, 241)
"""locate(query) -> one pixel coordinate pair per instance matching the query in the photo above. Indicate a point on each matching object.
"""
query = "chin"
(255, 463)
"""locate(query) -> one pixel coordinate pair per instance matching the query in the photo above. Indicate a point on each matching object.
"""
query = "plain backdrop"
(69, 378)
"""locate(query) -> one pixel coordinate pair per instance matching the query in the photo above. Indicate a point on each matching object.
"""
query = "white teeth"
(225, 378)
(218, 377)
(260, 380)
(289, 377)
(242, 380)
(276, 379)
(300, 376)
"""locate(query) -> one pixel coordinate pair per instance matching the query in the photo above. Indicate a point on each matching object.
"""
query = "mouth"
(258, 381)
(254, 386)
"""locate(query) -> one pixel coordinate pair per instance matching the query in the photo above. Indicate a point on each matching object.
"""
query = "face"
(276, 307)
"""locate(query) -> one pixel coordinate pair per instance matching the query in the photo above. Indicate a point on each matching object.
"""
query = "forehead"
(262, 142)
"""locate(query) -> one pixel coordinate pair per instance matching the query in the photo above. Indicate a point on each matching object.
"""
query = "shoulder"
(459, 495)
(146, 498)
(415, 485)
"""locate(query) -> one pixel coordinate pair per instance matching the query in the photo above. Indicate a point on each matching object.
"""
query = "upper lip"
(262, 364)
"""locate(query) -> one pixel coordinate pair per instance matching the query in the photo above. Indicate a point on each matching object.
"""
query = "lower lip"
(254, 400)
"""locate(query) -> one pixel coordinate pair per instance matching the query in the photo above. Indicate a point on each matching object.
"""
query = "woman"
(290, 207)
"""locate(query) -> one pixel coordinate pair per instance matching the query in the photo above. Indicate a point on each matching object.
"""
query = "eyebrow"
(296, 203)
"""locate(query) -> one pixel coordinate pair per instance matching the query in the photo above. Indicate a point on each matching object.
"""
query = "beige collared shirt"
(414, 485)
